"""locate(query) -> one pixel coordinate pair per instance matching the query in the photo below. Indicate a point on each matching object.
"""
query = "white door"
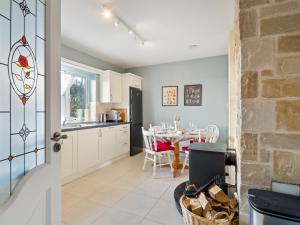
(29, 112)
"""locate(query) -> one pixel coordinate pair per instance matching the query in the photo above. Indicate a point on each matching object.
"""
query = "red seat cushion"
(163, 142)
(196, 140)
(185, 148)
(162, 147)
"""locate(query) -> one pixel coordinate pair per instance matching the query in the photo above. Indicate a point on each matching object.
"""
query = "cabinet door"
(69, 155)
(115, 88)
(135, 82)
(88, 148)
(108, 143)
(124, 139)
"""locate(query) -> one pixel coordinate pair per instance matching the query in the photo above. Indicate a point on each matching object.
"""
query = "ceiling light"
(116, 23)
(107, 13)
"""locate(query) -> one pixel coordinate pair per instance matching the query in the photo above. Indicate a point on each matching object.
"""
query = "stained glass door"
(24, 172)
(22, 87)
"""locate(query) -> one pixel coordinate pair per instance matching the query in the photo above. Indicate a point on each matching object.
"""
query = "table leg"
(177, 165)
(176, 161)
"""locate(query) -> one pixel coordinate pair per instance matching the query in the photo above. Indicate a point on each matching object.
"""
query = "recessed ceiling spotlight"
(194, 46)
(130, 32)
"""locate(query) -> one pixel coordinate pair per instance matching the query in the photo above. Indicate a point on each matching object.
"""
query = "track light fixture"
(108, 13)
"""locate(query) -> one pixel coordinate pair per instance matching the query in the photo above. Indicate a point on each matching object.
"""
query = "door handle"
(57, 137)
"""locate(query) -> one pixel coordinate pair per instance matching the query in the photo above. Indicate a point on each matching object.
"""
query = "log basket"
(220, 218)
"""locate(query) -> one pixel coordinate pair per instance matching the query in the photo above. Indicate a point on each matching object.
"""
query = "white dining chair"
(156, 150)
(212, 133)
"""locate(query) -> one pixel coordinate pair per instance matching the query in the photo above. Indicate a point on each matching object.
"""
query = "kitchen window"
(78, 94)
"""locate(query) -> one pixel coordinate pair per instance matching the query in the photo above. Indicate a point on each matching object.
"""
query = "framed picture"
(169, 95)
(193, 95)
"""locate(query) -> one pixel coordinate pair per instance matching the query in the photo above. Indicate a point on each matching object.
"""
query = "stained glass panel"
(22, 90)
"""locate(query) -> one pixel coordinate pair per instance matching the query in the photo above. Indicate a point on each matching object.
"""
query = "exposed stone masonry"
(269, 32)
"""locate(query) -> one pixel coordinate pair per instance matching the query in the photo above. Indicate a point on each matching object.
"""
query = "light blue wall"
(212, 73)
(80, 57)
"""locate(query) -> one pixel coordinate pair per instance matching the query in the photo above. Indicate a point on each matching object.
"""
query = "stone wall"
(270, 94)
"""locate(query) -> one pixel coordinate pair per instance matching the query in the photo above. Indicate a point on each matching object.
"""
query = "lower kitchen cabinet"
(123, 137)
(109, 148)
(69, 154)
(88, 149)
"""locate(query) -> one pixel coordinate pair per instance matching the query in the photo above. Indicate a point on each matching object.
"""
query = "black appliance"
(136, 120)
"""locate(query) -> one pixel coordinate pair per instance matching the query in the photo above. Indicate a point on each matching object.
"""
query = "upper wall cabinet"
(134, 80)
(111, 87)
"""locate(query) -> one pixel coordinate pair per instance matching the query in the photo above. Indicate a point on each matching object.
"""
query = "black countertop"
(84, 126)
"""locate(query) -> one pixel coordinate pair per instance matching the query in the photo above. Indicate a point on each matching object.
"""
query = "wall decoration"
(169, 95)
(193, 95)
(22, 104)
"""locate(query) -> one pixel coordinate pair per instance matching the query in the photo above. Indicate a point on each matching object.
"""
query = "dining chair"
(213, 133)
(156, 150)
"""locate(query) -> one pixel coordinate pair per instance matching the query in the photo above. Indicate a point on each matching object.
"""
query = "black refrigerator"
(136, 120)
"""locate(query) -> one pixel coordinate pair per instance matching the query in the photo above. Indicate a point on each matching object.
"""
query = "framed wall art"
(193, 95)
(169, 95)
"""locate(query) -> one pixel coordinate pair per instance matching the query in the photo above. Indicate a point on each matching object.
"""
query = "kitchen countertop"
(82, 126)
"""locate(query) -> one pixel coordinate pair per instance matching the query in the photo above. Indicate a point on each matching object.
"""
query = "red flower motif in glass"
(23, 62)
(24, 40)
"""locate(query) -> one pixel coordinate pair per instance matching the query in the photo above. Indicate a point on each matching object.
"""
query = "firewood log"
(218, 194)
(196, 207)
(204, 202)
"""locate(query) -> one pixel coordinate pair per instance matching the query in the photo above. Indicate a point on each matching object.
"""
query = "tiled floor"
(122, 194)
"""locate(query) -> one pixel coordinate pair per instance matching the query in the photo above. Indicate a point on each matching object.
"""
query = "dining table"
(179, 136)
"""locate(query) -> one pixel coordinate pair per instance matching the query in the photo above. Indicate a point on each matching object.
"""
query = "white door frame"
(43, 182)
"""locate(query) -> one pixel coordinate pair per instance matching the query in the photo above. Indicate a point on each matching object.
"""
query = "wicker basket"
(193, 219)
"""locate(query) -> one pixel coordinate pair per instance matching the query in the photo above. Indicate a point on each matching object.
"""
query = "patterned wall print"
(22, 89)
(170, 95)
(193, 95)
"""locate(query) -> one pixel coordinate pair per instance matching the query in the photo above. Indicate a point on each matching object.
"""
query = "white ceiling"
(168, 26)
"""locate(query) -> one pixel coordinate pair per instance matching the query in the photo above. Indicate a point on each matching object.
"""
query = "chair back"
(213, 133)
(149, 139)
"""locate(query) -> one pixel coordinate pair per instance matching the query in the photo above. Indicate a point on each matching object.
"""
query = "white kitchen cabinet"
(108, 143)
(69, 154)
(134, 81)
(110, 87)
(88, 148)
(129, 80)
(123, 137)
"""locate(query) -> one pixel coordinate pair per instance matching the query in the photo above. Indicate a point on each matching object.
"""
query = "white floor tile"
(117, 217)
(136, 204)
(154, 188)
(149, 222)
(108, 195)
(123, 194)
(165, 213)
(83, 212)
